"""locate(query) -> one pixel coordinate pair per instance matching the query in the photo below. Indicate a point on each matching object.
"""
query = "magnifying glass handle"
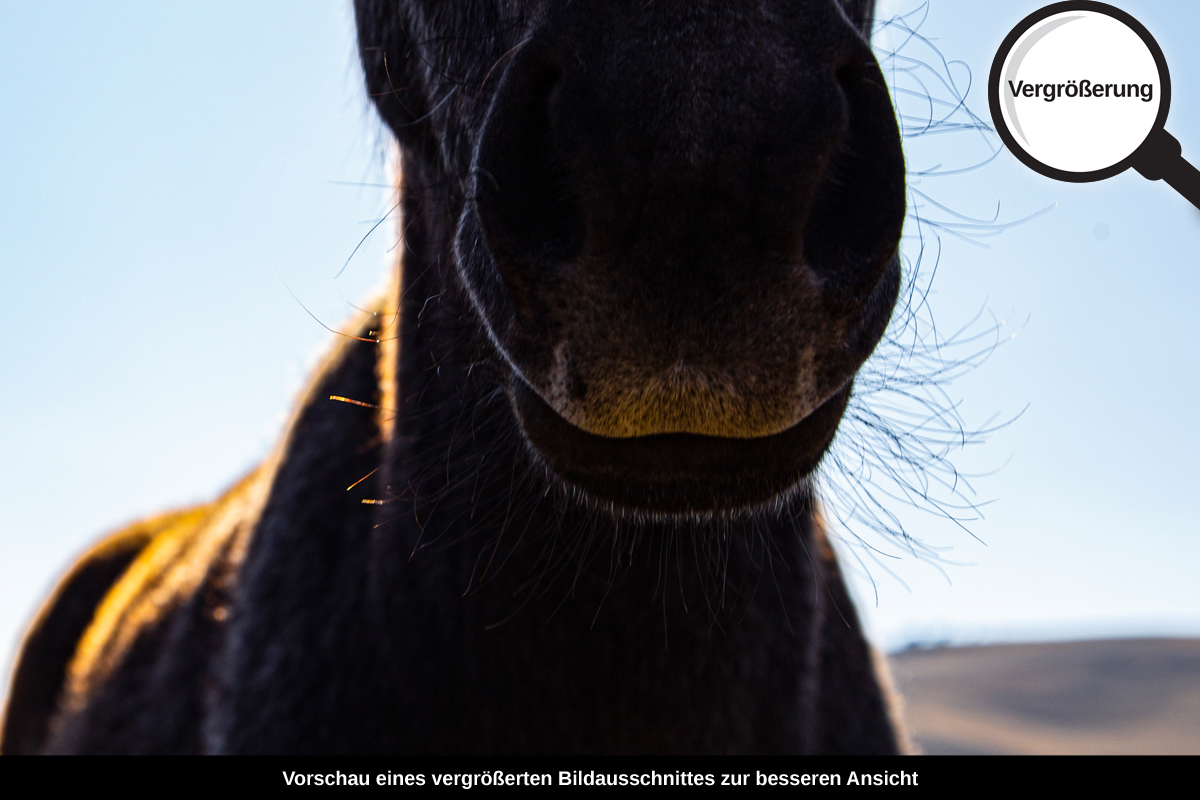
(1161, 158)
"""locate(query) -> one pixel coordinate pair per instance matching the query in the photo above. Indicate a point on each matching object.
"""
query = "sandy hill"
(1117, 696)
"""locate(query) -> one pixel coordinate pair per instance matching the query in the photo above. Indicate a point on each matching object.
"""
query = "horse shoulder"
(82, 600)
(127, 654)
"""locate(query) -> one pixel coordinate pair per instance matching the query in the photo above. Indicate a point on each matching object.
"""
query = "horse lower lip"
(678, 472)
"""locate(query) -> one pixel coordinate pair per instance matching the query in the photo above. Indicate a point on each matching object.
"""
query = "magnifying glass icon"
(1080, 91)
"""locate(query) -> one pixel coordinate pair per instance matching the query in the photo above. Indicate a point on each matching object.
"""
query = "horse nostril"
(850, 76)
(859, 207)
(525, 193)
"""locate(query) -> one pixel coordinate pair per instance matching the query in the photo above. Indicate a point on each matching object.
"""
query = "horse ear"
(386, 52)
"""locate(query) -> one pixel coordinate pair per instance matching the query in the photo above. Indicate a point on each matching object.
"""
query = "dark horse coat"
(647, 246)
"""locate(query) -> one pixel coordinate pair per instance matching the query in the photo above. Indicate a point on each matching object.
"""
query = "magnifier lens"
(1080, 91)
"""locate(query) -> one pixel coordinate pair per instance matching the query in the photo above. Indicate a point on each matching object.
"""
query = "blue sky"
(1088, 527)
(173, 173)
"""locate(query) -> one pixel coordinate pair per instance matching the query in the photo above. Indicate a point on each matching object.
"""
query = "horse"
(553, 492)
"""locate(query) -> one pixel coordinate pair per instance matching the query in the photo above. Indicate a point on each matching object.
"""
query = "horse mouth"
(677, 473)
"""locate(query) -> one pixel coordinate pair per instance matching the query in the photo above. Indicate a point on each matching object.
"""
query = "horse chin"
(677, 474)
